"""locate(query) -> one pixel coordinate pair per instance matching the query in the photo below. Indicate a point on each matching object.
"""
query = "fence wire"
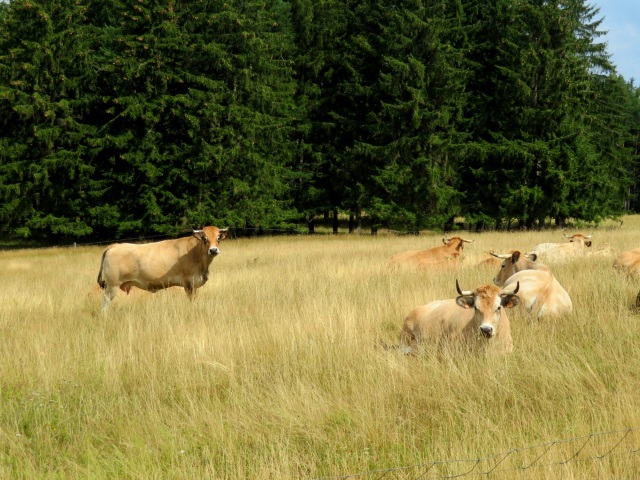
(603, 455)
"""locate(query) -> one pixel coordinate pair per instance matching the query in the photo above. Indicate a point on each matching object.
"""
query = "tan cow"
(515, 261)
(629, 262)
(447, 254)
(557, 252)
(182, 262)
(540, 292)
(474, 313)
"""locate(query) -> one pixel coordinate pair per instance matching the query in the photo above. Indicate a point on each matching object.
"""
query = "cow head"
(488, 302)
(580, 238)
(455, 243)
(210, 238)
(512, 262)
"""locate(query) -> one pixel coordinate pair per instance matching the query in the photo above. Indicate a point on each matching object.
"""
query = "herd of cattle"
(481, 312)
(523, 278)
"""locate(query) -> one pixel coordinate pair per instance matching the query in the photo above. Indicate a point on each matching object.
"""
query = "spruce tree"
(47, 85)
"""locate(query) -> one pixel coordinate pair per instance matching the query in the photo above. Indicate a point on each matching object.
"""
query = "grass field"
(275, 370)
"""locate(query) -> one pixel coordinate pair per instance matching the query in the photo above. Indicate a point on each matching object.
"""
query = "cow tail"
(101, 281)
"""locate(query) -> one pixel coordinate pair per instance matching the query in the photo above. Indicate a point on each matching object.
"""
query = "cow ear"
(515, 257)
(588, 243)
(465, 301)
(200, 235)
(223, 233)
(509, 301)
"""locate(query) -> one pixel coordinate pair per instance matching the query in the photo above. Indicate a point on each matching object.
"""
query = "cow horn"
(468, 241)
(589, 236)
(567, 236)
(512, 292)
(445, 240)
(463, 293)
(503, 256)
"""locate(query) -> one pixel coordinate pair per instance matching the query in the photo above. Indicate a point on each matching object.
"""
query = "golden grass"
(275, 370)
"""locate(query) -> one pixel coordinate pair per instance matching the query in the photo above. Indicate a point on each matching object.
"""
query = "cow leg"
(109, 293)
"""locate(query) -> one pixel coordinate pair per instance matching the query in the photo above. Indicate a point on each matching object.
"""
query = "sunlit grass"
(276, 369)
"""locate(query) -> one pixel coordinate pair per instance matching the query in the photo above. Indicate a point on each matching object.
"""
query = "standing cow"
(182, 262)
(474, 313)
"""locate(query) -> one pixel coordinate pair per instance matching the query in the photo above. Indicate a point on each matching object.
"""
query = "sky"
(622, 20)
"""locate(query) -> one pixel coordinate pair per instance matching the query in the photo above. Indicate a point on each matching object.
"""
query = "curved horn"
(567, 236)
(503, 256)
(467, 241)
(445, 240)
(463, 293)
(512, 292)
(589, 236)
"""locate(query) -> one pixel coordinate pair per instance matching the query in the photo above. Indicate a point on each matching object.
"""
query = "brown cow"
(515, 261)
(447, 254)
(629, 262)
(473, 313)
(154, 266)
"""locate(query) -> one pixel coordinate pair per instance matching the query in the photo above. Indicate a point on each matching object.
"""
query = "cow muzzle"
(487, 331)
(214, 251)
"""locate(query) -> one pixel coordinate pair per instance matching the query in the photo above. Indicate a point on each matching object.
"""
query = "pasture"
(276, 370)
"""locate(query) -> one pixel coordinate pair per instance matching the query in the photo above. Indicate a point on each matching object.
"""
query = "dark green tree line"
(121, 117)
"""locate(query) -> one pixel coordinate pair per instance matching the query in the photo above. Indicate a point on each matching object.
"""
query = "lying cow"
(540, 291)
(629, 262)
(474, 313)
(514, 262)
(447, 254)
(182, 262)
(557, 252)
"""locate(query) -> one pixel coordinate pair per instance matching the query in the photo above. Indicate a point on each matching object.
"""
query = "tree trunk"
(335, 220)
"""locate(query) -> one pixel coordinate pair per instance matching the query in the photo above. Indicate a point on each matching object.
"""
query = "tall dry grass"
(275, 370)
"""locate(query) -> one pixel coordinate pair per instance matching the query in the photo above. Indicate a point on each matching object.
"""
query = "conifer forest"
(127, 116)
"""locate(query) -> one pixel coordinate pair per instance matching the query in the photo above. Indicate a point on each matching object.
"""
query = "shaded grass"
(276, 370)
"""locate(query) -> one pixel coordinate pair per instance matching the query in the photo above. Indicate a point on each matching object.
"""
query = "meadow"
(276, 369)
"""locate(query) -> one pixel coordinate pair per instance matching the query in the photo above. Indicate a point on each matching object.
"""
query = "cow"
(447, 254)
(182, 262)
(515, 261)
(628, 262)
(489, 263)
(474, 313)
(540, 292)
(556, 252)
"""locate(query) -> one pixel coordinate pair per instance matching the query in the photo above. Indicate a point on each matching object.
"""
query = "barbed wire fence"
(603, 455)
